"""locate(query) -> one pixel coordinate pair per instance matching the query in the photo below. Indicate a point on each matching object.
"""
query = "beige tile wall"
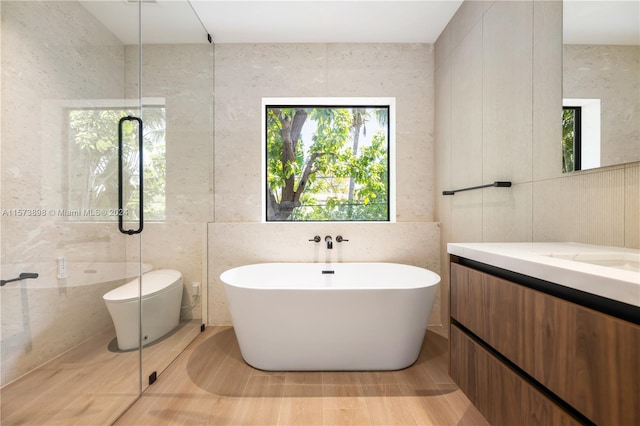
(519, 63)
(245, 73)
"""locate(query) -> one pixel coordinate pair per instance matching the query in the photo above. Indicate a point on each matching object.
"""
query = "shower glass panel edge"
(177, 109)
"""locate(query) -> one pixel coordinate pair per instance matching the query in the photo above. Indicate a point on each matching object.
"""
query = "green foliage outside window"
(322, 165)
(568, 139)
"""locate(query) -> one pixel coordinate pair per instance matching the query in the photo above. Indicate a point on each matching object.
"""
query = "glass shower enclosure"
(105, 149)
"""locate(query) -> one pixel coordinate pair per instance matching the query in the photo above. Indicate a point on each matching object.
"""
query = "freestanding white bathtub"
(340, 316)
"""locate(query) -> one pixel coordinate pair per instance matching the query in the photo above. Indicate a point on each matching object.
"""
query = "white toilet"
(161, 298)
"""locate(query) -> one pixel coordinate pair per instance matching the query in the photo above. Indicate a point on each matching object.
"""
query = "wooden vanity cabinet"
(499, 393)
(578, 360)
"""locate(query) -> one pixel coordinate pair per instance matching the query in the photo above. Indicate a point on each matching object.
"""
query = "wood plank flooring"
(210, 384)
(90, 384)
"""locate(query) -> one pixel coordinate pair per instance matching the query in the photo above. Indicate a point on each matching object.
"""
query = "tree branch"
(305, 175)
(296, 126)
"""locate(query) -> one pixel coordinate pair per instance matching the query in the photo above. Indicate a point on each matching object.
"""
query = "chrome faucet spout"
(329, 242)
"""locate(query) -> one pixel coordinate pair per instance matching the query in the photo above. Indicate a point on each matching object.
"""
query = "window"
(92, 164)
(328, 159)
(571, 140)
(580, 134)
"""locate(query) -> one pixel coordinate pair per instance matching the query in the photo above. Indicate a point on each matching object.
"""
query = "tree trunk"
(290, 134)
(357, 125)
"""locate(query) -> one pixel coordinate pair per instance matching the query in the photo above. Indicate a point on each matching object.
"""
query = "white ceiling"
(601, 22)
(262, 21)
(327, 21)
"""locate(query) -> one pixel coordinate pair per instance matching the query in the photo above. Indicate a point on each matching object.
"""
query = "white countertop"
(562, 263)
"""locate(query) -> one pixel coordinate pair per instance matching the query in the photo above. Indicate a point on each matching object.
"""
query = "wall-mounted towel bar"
(498, 183)
(23, 276)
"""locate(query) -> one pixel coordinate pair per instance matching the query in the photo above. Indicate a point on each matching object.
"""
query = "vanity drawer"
(587, 358)
(499, 393)
(491, 308)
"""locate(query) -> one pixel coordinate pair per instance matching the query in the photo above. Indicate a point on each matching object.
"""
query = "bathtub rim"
(434, 278)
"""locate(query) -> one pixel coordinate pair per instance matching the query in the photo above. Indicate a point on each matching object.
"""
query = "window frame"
(337, 102)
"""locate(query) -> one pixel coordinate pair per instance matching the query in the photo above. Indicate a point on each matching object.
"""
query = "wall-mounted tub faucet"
(329, 242)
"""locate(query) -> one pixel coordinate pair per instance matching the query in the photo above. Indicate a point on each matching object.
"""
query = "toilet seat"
(153, 282)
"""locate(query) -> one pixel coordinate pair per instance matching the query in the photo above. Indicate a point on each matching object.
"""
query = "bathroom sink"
(618, 260)
(607, 271)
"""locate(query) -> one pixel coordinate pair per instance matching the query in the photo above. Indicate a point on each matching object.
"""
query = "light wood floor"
(209, 384)
(92, 384)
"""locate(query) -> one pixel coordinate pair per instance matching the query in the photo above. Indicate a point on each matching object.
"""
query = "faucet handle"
(315, 239)
(340, 239)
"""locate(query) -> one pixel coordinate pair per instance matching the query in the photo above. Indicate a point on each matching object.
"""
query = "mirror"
(601, 83)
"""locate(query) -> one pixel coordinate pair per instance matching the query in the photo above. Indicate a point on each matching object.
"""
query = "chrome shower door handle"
(120, 180)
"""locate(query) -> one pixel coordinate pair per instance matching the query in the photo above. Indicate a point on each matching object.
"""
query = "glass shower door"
(64, 91)
(106, 147)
